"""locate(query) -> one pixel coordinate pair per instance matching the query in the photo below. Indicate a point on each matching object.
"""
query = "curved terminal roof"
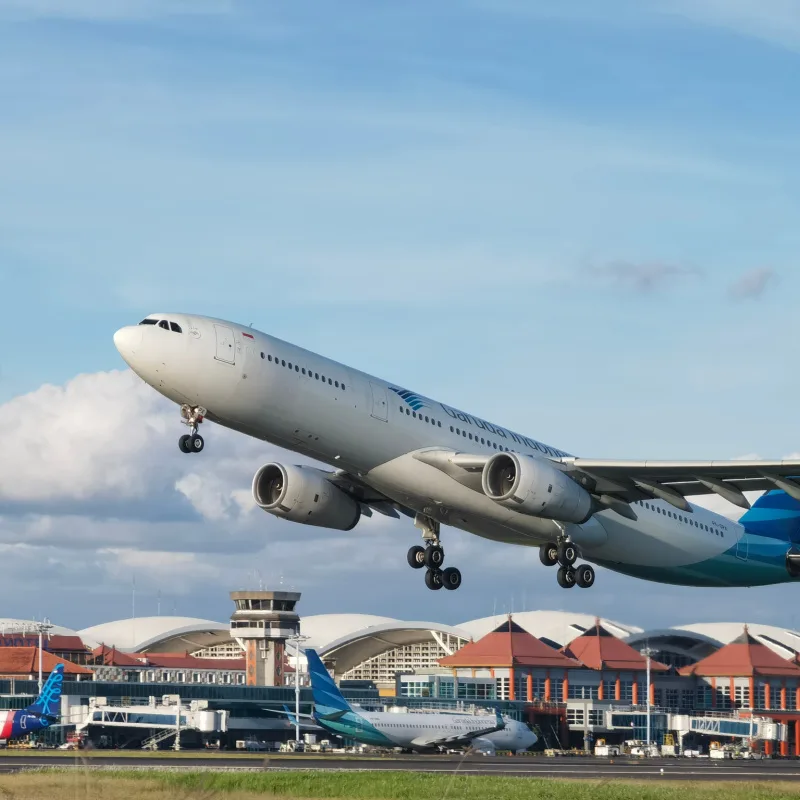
(9, 625)
(357, 646)
(784, 641)
(158, 634)
(556, 628)
(326, 628)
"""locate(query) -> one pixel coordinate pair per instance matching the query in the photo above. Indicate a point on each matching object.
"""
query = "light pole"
(297, 640)
(42, 627)
(647, 652)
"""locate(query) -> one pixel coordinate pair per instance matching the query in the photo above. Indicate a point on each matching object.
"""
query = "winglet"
(290, 714)
(48, 703)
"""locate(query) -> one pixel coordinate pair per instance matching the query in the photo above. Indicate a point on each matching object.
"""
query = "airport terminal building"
(573, 677)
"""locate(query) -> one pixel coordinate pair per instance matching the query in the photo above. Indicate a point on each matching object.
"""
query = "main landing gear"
(565, 554)
(191, 416)
(432, 557)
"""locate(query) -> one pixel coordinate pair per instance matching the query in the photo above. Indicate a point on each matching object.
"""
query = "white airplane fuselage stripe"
(362, 424)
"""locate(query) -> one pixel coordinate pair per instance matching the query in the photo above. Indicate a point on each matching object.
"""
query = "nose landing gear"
(191, 416)
(432, 557)
(565, 554)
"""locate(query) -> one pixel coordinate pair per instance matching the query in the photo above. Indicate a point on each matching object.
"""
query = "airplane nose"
(127, 339)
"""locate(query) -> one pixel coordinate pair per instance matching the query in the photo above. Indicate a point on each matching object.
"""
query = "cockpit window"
(164, 324)
(175, 327)
(148, 322)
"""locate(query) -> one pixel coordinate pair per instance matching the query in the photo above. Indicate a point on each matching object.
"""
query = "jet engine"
(534, 486)
(305, 495)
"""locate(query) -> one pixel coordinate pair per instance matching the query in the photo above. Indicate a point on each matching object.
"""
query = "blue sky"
(574, 218)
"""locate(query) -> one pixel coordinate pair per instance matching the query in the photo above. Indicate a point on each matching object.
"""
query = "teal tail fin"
(329, 703)
(776, 515)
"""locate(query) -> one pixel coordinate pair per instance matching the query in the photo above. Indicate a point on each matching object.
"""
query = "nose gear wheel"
(191, 416)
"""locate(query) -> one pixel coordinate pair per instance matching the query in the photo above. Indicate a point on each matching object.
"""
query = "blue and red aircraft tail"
(48, 703)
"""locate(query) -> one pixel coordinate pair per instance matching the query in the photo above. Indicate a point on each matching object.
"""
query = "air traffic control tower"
(262, 623)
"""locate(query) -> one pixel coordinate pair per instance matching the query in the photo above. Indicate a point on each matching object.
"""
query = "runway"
(578, 768)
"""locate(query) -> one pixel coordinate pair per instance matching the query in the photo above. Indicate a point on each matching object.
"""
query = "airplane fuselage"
(15, 724)
(272, 390)
(411, 731)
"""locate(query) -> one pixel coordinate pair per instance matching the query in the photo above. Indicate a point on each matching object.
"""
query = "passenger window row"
(420, 417)
(475, 438)
(303, 371)
(163, 323)
(680, 517)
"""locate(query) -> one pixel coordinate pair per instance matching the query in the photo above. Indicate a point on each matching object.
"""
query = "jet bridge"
(164, 717)
(710, 723)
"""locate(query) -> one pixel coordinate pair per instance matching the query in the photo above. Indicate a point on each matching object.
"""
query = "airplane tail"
(775, 514)
(328, 700)
(48, 703)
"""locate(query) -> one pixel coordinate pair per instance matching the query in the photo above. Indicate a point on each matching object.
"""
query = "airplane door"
(379, 404)
(226, 351)
(741, 547)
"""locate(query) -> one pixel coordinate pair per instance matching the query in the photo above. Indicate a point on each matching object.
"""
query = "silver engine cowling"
(305, 495)
(534, 486)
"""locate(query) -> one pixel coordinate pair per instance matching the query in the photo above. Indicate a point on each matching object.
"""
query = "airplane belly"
(432, 492)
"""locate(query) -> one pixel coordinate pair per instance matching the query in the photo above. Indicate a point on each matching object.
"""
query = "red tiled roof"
(744, 656)
(25, 661)
(66, 643)
(186, 661)
(598, 649)
(114, 658)
(508, 646)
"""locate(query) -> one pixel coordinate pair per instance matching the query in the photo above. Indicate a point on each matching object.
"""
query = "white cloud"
(775, 21)
(108, 10)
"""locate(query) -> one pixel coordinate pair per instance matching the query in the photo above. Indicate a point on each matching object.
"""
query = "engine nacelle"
(305, 495)
(534, 486)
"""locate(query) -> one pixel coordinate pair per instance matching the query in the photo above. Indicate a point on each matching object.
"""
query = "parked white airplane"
(398, 451)
(421, 732)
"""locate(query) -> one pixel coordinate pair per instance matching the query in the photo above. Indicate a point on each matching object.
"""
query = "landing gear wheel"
(584, 576)
(434, 556)
(183, 443)
(416, 557)
(196, 443)
(433, 579)
(567, 554)
(548, 554)
(451, 578)
(566, 577)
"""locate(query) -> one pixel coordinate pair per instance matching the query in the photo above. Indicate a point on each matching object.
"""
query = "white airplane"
(421, 732)
(394, 450)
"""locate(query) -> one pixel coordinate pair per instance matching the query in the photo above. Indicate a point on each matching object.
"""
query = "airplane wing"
(615, 484)
(672, 481)
(370, 499)
(459, 739)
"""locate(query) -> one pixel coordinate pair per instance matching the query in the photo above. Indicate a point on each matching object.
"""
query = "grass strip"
(387, 785)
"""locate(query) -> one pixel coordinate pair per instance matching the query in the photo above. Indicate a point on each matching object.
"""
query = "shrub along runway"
(541, 767)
